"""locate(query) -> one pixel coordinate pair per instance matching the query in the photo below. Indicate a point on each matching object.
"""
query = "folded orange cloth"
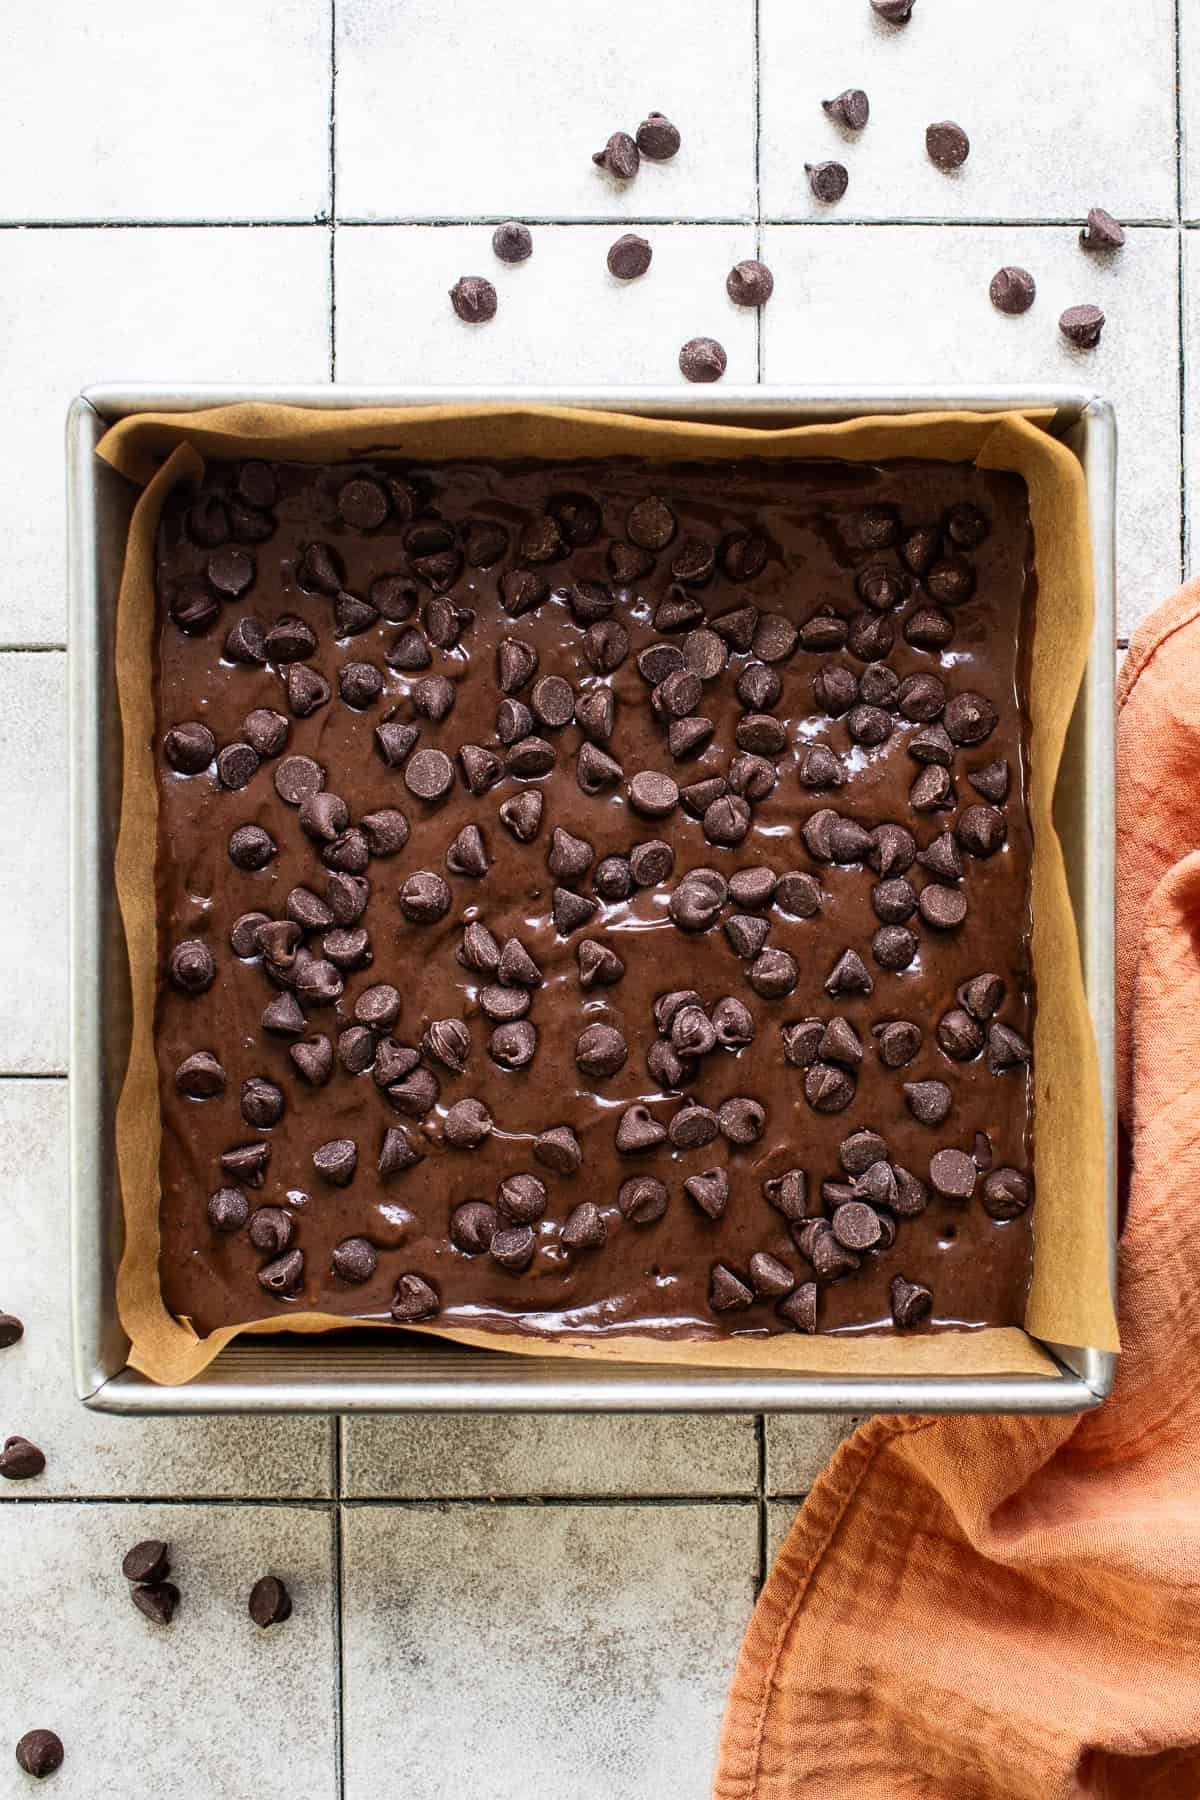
(1009, 1609)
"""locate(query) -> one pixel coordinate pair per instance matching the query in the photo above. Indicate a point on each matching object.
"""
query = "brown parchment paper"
(1070, 1300)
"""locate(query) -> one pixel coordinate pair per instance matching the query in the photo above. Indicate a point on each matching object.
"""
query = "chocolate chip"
(991, 781)
(820, 768)
(521, 1199)
(356, 1049)
(1102, 231)
(894, 947)
(1081, 326)
(737, 626)
(521, 590)
(650, 524)
(928, 628)
(473, 1225)
(20, 1460)
(1012, 290)
(752, 888)
(514, 1045)
(727, 1292)
(702, 359)
(584, 1228)
(742, 1120)
(200, 1076)
(598, 965)
(316, 981)
(932, 790)
(522, 814)
(856, 1226)
(788, 1193)
(503, 1004)
(410, 651)
(651, 863)
(947, 144)
(696, 904)
(869, 725)
(830, 1259)
(982, 996)
(896, 12)
(800, 1307)
(629, 257)
(953, 1174)
(981, 830)
(284, 1017)
(346, 896)
(349, 852)
(798, 894)
(516, 967)
(698, 796)
(928, 1101)
(397, 1152)
(668, 1006)
(959, 1035)
(657, 138)
(678, 694)
(944, 908)
(911, 1302)
(773, 973)
(558, 1148)
(467, 1124)
(467, 854)
(429, 774)
(840, 1043)
(801, 1042)
(981, 1153)
(619, 156)
(447, 1041)
(306, 690)
(692, 1031)
(849, 975)
(262, 1102)
(775, 638)
(881, 586)
(570, 911)
(642, 1200)
(746, 933)
(272, 1230)
(600, 1051)
(969, 718)
(11, 1330)
(40, 1753)
(727, 820)
(613, 879)
(530, 758)
(828, 180)
(284, 1277)
(243, 937)
(323, 816)
(192, 967)
(932, 745)
(512, 243)
(194, 607)
(638, 1130)
(189, 748)
(424, 898)
(851, 109)
(1006, 1049)
(392, 596)
(823, 631)
(413, 1300)
(1006, 1193)
(473, 299)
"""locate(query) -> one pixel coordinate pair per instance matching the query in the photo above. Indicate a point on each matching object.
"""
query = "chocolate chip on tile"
(447, 1041)
(397, 1152)
(200, 1076)
(20, 1460)
(12, 1330)
(414, 1299)
(148, 1561)
(1012, 290)
(702, 359)
(598, 965)
(629, 257)
(849, 975)
(473, 299)
(39, 1753)
(981, 830)
(513, 1045)
(911, 1302)
(850, 109)
(727, 820)
(189, 748)
(512, 242)
(657, 139)
(192, 967)
(522, 814)
(620, 156)
(1102, 232)
(1006, 1048)
(953, 1174)
(932, 791)
(944, 908)
(600, 1051)
(947, 144)
(828, 180)
(1082, 326)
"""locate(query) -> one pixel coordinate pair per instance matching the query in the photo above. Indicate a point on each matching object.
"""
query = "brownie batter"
(595, 898)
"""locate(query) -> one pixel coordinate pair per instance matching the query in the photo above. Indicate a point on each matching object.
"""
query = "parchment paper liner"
(1070, 1302)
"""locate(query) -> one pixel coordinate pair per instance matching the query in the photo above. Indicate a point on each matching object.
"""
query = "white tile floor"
(221, 192)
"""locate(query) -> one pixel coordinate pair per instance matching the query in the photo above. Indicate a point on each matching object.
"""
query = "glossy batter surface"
(821, 525)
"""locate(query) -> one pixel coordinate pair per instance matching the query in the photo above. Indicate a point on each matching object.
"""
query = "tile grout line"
(322, 221)
(333, 189)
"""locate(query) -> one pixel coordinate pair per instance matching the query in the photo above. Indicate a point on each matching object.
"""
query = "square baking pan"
(366, 1371)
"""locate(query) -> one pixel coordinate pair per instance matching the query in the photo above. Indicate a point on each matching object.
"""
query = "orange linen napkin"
(1009, 1609)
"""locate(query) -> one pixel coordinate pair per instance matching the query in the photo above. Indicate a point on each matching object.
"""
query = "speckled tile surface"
(170, 215)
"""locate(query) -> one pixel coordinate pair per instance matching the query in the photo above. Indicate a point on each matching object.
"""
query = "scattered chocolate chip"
(1081, 326)
(598, 965)
(20, 1460)
(829, 1258)
(727, 820)
(429, 774)
(619, 156)
(798, 894)
(959, 1035)
(742, 1121)
(896, 12)
(503, 1004)
(447, 1041)
(1102, 231)
(12, 1330)
(773, 973)
(894, 947)
(751, 283)
(467, 854)
(651, 863)
(473, 299)
(638, 1130)
(898, 1041)
(570, 911)
(262, 1102)
(284, 1017)
(747, 933)
(512, 242)
(851, 109)
(558, 1148)
(828, 180)
(657, 138)
(800, 1307)
(929, 1102)
(911, 1302)
(584, 1227)
(629, 257)
(1012, 290)
(702, 359)
(947, 144)
(820, 768)
(928, 628)
(727, 1292)
(306, 690)
(981, 830)
(642, 1200)
(356, 1049)
(856, 1226)
(513, 1045)
(156, 1601)
(473, 1225)
(40, 1753)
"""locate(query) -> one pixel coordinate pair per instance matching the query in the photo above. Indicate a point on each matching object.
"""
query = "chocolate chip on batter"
(447, 1041)
(798, 894)
(397, 1152)
(584, 1227)
(932, 745)
(1006, 1193)
(514, 1044)
(894, 901)
(929, 1102)
(228, 1209)
(522, 590)
(189, 748)
(737, 626)
(928, 628)
(262, 1102)
(424, 898)
(774, 973)
(467, 854)
(638, 1130)
(600, 1051)
(932, 790)
(192, 966)
(272, 1230)
(284, 1017)
(323, 815)
(570, 910)
(473, 1225)
(951, 581)
(727, 820)
(911, 1302)
(742, 1120)
(727, 1292)
(503, 1004)
(838, 1042)
(652, 862)
(642, 1200)
(894, 947)
(356, 1049)
(595, 770)
(1006, 1048)
(959, 1035)
(695, 905)
(982, 996)
(981, 830)
(598, 965)
(775, 638)
(522, 814)
(558, 1148)
(944, 908)
(856, 1226)
(652, 794)
(747, 933)
(355, 1259)
(953, 1174)
(849, 975)
(429, 774)
(516, 967)
(819, 767)
(433, 698)
(414, 1300)
(306, 690)
(829, 1258)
